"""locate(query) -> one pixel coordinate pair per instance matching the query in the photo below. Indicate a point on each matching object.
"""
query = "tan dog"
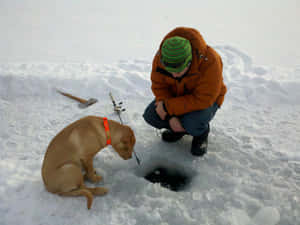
(74, 148)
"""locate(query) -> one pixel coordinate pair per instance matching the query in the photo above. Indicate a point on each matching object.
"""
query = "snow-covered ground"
(251, 174)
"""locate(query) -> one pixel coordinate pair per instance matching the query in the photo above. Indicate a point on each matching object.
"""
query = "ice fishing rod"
(118, 109)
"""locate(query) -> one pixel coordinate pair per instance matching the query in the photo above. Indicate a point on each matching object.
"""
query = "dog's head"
(126, 144)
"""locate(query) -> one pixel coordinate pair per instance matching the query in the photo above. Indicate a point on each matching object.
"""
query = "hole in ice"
(168, 174)
(168, 178)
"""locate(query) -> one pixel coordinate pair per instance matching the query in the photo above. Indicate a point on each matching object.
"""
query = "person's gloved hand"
(175, 125)
(160, 110)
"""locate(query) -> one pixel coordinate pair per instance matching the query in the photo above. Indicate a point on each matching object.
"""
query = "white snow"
(251, 174)
(266, 216)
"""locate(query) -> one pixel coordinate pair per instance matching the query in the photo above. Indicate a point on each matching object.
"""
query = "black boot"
(170, 136)
(199, 144)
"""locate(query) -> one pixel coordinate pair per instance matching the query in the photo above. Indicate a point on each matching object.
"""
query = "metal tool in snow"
(118, 108)
(83, 103)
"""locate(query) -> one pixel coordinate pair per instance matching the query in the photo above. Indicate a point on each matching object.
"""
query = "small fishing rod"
(118, 108)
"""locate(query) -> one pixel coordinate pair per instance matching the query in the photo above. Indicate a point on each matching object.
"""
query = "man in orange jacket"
(188, 86)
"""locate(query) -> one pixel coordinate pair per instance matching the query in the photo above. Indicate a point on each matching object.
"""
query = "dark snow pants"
(195, 123)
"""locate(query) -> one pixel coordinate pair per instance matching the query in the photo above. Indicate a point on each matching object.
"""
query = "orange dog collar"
(107, 132)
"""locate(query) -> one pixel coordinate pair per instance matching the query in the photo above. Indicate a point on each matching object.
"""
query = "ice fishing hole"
(169, 175)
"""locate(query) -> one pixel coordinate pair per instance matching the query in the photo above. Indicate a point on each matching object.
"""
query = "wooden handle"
(81, 100)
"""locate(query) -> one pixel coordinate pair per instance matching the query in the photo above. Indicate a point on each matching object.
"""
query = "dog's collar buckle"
(107, 131)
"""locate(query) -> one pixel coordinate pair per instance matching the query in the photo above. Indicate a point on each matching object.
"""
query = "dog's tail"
(81, 192)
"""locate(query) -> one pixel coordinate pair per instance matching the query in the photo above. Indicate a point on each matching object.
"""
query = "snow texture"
(251, 174)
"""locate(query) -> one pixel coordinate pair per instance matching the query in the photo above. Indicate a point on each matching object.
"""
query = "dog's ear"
(126, 144)
(128, 138)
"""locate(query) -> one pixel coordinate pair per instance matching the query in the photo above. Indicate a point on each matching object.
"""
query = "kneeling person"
(188, 86)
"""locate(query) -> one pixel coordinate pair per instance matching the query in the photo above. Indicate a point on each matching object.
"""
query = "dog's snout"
(129, 156)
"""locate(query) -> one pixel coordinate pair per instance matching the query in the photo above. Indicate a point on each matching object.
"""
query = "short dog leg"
(90, 171)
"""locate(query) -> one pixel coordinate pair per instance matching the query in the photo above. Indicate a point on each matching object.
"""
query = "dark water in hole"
(168, 178)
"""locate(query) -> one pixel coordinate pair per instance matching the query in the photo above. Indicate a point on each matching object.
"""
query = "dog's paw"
(100, 191)
(92, 177)
(95, 178)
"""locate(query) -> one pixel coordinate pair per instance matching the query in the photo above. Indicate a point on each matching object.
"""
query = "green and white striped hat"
(176, 54)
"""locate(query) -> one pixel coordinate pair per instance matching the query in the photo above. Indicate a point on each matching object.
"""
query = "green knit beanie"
(176, 54)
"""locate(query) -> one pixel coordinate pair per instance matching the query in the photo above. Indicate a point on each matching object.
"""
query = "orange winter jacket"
(200, 87)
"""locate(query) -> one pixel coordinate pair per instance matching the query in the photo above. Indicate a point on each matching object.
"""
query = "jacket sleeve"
(159, 87)
(204, 95)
